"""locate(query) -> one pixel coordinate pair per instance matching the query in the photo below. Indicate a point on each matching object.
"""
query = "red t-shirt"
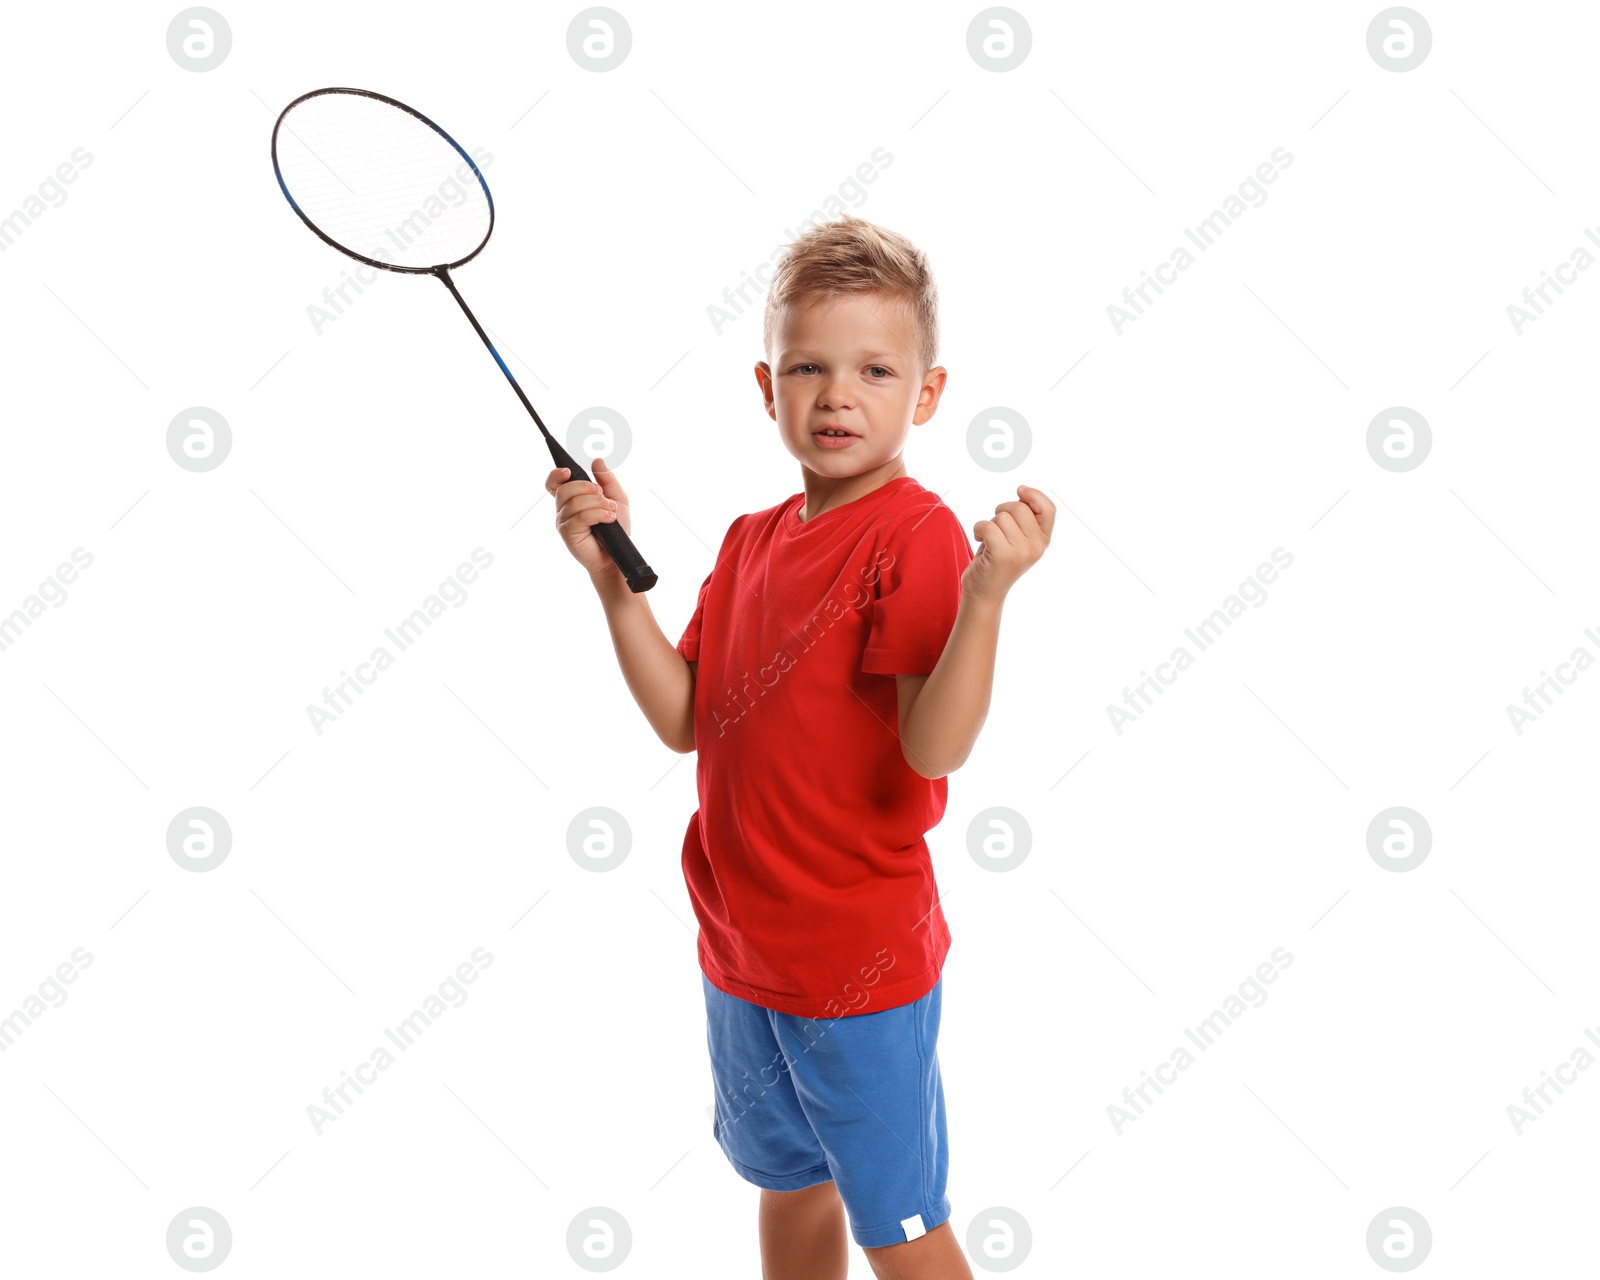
(806, 861)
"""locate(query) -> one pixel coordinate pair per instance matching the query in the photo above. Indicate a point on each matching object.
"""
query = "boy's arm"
(942, 712)
(660, 679)
(658, 676)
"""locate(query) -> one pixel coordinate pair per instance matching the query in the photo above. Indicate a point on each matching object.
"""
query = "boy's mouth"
(833, 431)
(834, 438)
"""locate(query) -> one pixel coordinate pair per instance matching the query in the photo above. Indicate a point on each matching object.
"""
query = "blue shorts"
(855, 1099)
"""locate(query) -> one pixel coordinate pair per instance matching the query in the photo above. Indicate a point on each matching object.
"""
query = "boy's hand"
(580, 505)
(1010, 544)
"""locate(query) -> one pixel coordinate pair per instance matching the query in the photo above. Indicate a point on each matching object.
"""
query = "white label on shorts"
(913, 1226)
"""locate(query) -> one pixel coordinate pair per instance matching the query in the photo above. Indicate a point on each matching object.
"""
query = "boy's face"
(851, 362)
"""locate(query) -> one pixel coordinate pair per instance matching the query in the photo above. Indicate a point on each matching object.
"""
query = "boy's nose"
(834, 398)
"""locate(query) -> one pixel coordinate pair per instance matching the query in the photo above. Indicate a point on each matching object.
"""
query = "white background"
(370, 459)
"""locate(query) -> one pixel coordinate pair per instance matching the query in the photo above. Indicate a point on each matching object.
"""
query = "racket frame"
(351, 253)
(638, 575)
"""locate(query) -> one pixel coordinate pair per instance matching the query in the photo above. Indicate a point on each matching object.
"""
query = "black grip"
(638, 575)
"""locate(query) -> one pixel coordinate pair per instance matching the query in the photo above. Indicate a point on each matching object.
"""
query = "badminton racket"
(385, 185)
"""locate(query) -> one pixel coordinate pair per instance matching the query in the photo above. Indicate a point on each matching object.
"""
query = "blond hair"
(850, 255)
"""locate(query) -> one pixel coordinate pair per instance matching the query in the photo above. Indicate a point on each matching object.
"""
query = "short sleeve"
(689, 646)
(917, 594)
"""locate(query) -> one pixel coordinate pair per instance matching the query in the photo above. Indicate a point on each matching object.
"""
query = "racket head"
(381, 182)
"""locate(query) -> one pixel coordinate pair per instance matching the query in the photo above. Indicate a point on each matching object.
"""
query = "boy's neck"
(824, 493)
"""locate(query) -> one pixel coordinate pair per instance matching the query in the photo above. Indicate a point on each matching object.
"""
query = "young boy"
(837, 667)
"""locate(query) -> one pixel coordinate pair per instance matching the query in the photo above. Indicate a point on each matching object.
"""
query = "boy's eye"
(881, 369)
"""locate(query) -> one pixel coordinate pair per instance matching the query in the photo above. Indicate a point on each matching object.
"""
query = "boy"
(848, 638)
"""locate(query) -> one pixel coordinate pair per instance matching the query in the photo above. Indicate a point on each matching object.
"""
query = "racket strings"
(380, 182)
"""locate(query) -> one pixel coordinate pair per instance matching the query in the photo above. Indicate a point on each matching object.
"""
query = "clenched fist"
(1011, 543)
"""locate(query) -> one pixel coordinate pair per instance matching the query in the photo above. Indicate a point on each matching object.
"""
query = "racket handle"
(613, 537)
(639, 575)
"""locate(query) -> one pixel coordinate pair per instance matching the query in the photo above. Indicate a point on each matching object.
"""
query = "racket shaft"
(638, 574)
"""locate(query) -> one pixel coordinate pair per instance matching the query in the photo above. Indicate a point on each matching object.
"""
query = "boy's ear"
(764, 379)
(932, 389)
